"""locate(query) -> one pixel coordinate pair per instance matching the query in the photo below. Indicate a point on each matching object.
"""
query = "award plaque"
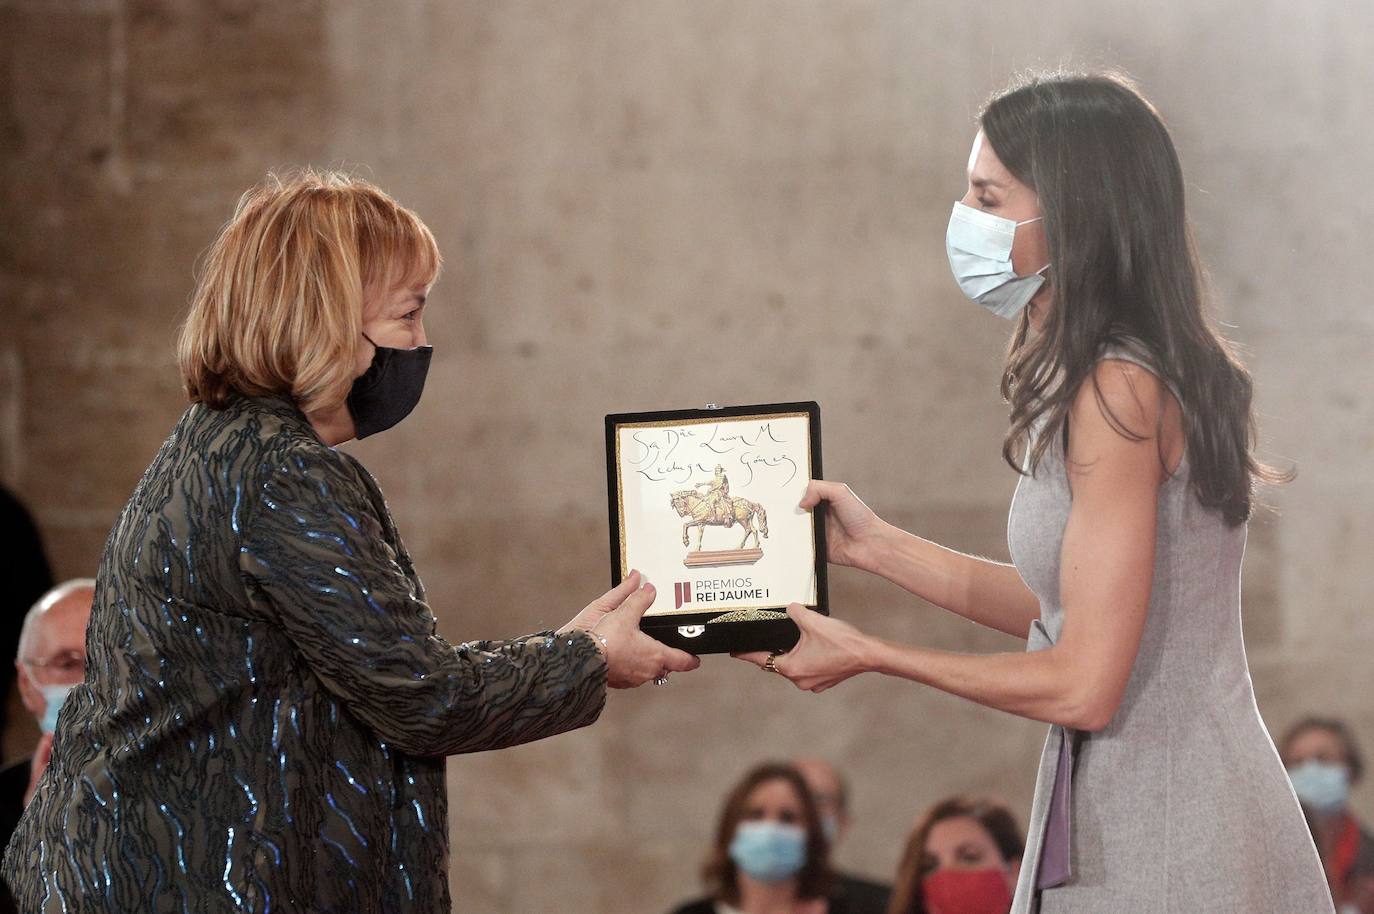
(704, 502)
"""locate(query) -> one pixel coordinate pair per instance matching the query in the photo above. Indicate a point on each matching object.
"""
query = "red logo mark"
(682, 593)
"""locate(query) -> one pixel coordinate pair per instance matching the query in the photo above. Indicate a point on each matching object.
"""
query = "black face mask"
(389, 389)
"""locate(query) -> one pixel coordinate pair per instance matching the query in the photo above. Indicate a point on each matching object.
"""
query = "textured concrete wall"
(621, 189)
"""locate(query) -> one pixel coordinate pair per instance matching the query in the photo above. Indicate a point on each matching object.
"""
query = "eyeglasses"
(67, 666)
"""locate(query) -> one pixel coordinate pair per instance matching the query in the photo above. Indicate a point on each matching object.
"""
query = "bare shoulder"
(1123, 396)
(1125, 409)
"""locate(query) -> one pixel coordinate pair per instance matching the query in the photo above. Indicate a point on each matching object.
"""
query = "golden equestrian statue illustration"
(716, 508)
(717, 498)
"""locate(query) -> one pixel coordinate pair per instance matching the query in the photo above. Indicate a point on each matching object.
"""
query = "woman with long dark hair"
(1131, 425)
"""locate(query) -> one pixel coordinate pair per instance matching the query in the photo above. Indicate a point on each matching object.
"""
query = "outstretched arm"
(981, 590)
(1106, 574)
(316, 563)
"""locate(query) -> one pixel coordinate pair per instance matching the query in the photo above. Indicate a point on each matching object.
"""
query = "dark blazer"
(267, 706)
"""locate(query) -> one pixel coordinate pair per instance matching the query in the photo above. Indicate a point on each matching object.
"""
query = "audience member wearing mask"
(1324, 762)
(24, 577)
(49, 661)
(831, 793)
(962, 858)
(770, 854)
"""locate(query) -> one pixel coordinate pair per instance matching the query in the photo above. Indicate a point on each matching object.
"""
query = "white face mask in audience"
(769, 851)
(54, 696)
(1322, 786)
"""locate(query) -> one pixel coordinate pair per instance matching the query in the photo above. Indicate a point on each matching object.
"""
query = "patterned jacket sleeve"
(316, 563)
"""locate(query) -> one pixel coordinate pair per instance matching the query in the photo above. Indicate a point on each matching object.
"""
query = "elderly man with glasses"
(51, 660)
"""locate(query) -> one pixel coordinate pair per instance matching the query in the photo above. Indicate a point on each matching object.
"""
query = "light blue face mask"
(979, 249)
(55, 697)
(1323, 786)
(769, 851)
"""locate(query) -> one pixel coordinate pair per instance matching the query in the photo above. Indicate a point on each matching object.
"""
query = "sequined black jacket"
(267, 706)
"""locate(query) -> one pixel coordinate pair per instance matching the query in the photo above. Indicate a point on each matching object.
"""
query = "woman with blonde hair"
(267, 706)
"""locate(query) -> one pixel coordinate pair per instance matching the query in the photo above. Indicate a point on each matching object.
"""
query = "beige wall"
(623, 190)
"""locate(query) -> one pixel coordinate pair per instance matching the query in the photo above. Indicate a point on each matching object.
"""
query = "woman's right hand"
(852, 531)
(632, 657)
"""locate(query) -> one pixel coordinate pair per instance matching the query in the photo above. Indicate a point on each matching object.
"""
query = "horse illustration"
(688, 503)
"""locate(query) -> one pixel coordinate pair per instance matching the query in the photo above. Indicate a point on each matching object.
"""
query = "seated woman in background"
(963, 857)
(1324, 763)
(770, 854)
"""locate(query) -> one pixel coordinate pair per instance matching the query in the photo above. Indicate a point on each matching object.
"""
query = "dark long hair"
(996, 820)
(720, 871)
(1124, 270)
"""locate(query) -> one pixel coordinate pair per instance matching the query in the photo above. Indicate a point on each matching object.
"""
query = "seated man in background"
(24, 577)
(51, 659)
(831, 793)
(1324, 762)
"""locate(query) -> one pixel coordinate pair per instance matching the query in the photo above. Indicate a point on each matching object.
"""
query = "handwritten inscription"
(747, 450)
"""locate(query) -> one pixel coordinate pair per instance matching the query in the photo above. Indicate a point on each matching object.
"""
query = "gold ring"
(771, 664)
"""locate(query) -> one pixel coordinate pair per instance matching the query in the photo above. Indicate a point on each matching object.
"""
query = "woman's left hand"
(828, 653)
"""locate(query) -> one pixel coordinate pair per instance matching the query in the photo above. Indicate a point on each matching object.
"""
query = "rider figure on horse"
(718, 497)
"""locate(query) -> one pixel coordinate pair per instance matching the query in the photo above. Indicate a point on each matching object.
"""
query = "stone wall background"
(609, 181)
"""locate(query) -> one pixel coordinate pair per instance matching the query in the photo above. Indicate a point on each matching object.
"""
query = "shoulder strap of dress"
(1129, 349)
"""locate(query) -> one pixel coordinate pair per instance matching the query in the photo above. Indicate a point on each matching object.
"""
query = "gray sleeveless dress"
(1180, 805)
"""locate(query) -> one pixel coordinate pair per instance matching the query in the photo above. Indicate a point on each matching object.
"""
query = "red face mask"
(952, 891)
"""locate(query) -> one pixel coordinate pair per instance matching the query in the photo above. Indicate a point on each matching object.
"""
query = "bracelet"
(605, 646)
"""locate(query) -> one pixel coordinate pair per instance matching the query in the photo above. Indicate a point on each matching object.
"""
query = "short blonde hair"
(279, 300)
